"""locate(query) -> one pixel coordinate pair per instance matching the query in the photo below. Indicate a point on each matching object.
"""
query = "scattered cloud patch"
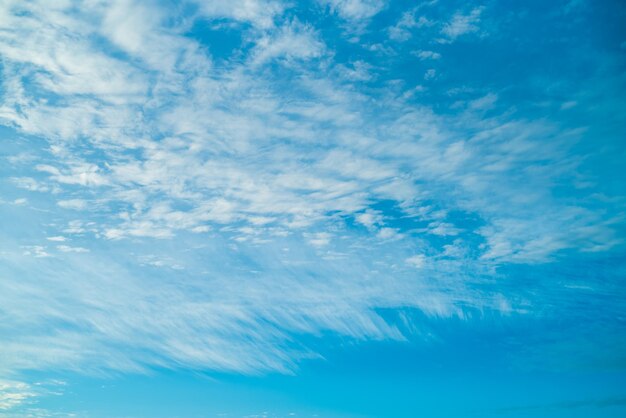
(68, 249)
(355, 9)
(76, 204)
(370, 218)
(319, 239)
(20, 398)
(57, 238)
(427, 55)
(260, 13)
(484, 103)
(443, 229)
(14, 394)
(293, 41)
(417, 261)
(388, 233)
(37, 251)
(462, 24)
(403, 30)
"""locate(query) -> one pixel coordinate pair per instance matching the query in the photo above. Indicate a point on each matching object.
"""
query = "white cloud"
(30, 184)
(236, 169)
(156, 261)
(319, 239)
(403, 30)
(357, 71)
(291, 41)
(120, 322)
(430, 74)
(417, 261)
(355, 9)
(57, 238)
(388, 233)
(76, 204)
(443, 229)
(68, 249)
(82, 174)
(370, 218)
(19, 399)
(462, 24)
(484, 103)
(37, 251)
(426, 55)
(260, 13)
(14, 394)
(455, 250)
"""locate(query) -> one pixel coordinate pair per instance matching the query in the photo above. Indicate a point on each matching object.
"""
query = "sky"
(315, 208)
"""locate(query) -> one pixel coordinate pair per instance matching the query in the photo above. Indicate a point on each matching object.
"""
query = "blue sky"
(324, 208)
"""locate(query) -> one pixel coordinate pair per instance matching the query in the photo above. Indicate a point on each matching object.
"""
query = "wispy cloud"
(408, 22)
(13, 394)
(19, 399)
(462, 24)
(355, 9)
(292, 41)
(213, 210)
